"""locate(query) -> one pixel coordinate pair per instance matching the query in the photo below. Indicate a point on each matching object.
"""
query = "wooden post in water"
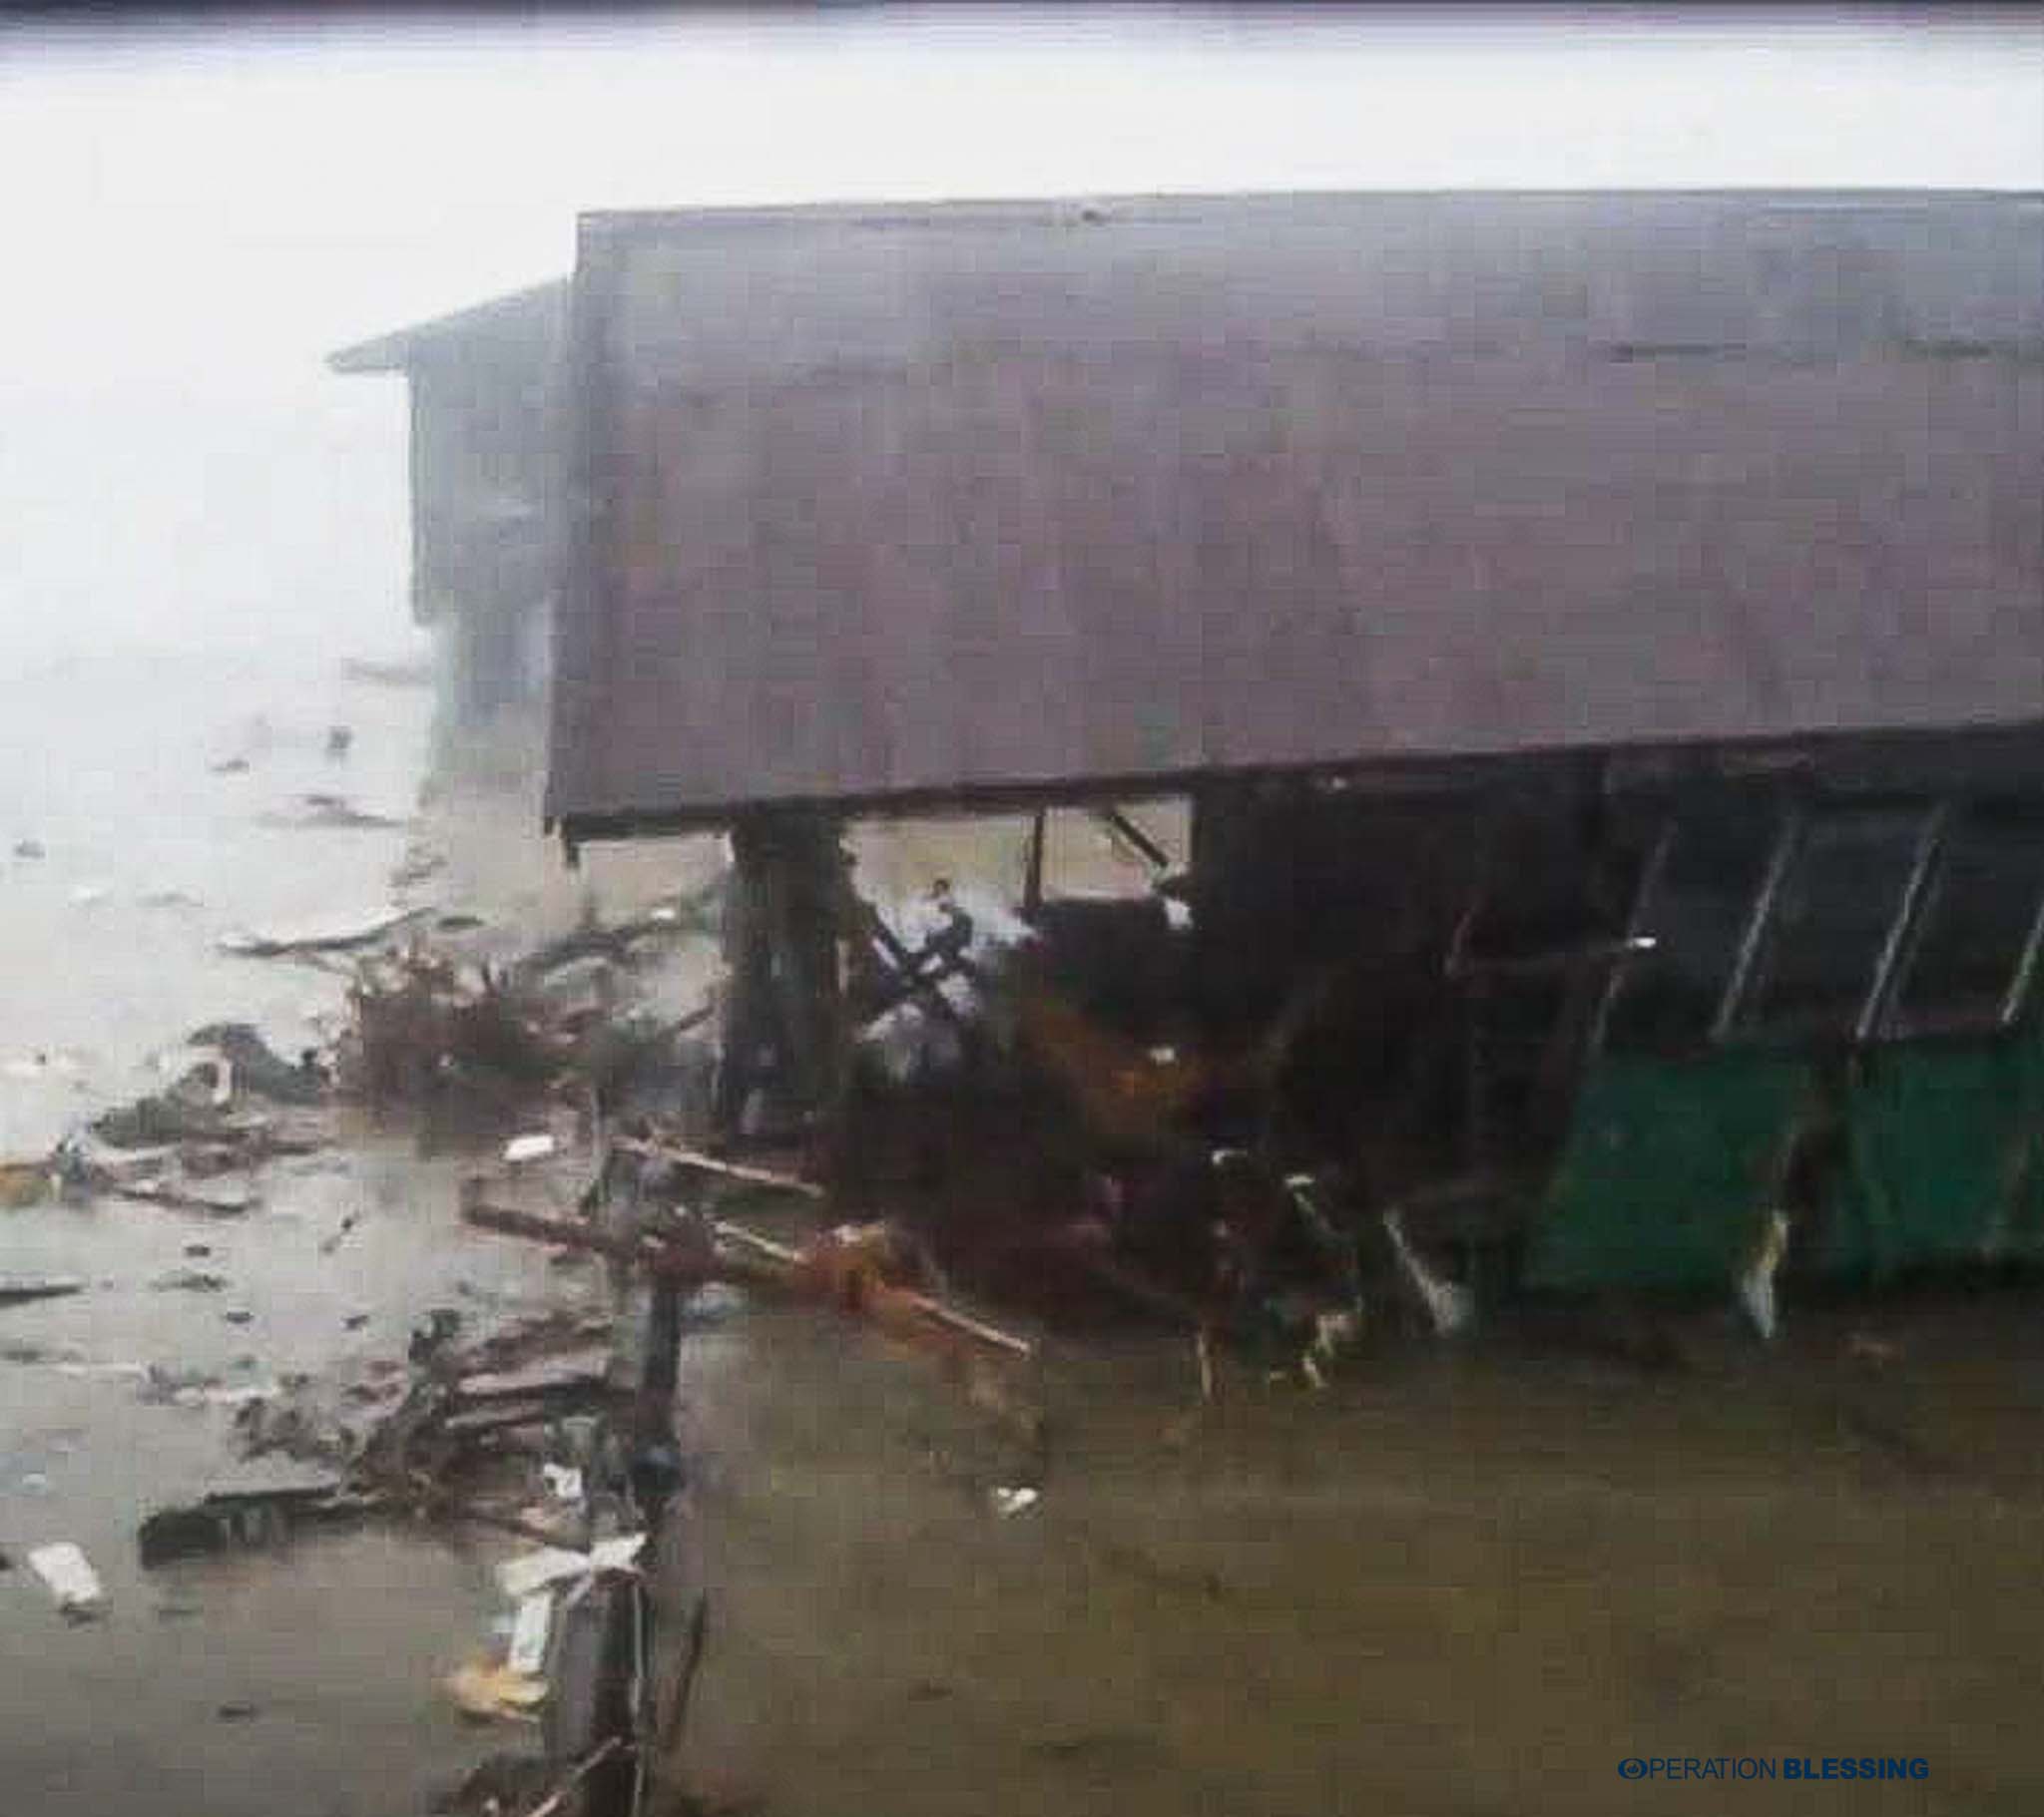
(782, 1030)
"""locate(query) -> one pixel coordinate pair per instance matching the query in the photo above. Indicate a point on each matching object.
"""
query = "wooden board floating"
(18, 1289)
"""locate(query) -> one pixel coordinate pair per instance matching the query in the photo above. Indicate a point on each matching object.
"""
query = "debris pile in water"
(420, 1026)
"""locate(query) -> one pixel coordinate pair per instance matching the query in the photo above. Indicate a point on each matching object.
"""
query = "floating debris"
(25, 1183)
(257, 1068)
(1448, 1304)
(18, 1289)
(71, 1579)
(258, 1505)
(190, 1280)
(319, 810)
(342, 935)
(489, 1693)
(532, 1572)
(83, 1369)
(530, 1628)
(418, 863)
(183, 1196)
(1756, 1280)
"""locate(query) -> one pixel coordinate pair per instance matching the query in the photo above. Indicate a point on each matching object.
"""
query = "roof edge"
(1088, 207)
(1419, 769)
(402, 348)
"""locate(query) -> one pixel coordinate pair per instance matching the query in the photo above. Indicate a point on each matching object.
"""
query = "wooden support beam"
(696, 1161)
(806, 1273)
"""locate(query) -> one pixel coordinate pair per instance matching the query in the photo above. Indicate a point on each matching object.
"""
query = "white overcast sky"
(194, 221)
(202, 206)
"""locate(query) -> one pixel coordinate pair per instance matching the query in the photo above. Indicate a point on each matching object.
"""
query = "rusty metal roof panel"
(956, 502)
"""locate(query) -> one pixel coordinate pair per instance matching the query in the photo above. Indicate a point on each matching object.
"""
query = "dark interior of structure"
(1389, 997)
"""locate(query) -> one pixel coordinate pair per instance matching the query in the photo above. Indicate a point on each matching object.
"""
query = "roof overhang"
(904, 509)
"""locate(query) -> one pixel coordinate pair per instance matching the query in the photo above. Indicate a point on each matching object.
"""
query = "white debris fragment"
(619, 1553)
(1756, 1283)
(563, 1483)
(532, 1572)
(529, 1148)
(241, 1395)
(1448, 1304)
(332, 934)
(70, 1576)
(1335, 1334)
(1009, 1503)
(527, 1653)
(519, 1577)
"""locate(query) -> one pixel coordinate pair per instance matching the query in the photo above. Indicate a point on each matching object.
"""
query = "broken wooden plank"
(557, 1375)
(510, 1416)
(687, 1264)
(568, 1233)
(765, 1246)
(905, 1302)
(810, 1270)
(19, 1289)
(695, 1160)
(184, 1198)
(341, 935)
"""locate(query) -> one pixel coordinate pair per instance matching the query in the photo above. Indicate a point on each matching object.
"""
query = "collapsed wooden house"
(1600, 639)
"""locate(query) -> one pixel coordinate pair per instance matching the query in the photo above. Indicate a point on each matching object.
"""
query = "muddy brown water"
(138, 853)
(1463, 1583)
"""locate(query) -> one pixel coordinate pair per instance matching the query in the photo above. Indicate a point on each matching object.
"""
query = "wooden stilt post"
(747, 956)
(782, 945)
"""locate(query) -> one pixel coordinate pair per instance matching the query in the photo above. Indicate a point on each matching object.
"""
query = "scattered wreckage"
(1380, 1053)
(1387, 1048)
(1078, 1109)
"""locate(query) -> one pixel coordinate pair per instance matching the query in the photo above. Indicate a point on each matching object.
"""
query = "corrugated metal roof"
(949, 503)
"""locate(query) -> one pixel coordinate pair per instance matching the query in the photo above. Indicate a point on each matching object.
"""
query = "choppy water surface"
(148, 853)
(1467, 1582)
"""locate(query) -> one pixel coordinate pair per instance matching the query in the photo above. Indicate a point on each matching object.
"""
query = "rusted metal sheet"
(961, 503)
